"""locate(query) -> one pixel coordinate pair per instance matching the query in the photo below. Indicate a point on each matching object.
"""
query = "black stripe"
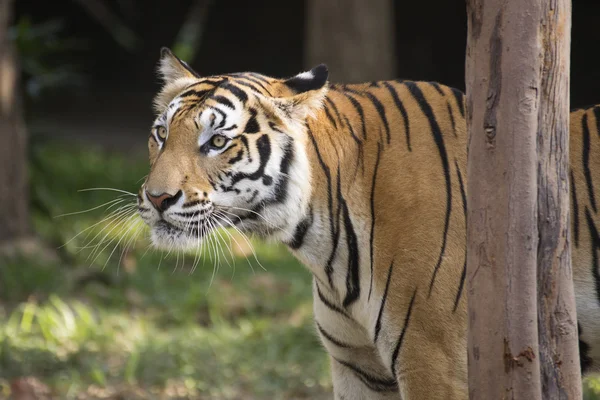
(191, 204)
(248, 85)
(194, 92)
(252, 125)
(352, 275)
(281, 187)
(437, 87)
(253, 197)
(356, 139)
(223, 117)
(328, 114)
(331, 338)
(575, 210)
(347, 88)
(381, 111)
(459, 96)
(360, 161)
(190, 214)
(401, 338)
(372, 236)
(463, 195)
(263, 145)
(258, 82)
(237, 157)
(232, 126)
(301, 230)
(259, 77)
(183, 108)
(224, 101)
(439, 141)
(596, 111)
(383, 300)
(334, 107)
(586, 161)
(360, 112)
(374, 383)
(402, 109)
(595, 247)
(329, 304)
(327, 173)
(244, 141)
(452, 119)
(236, 91)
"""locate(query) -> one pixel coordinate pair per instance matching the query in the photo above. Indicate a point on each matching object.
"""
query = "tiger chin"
(365, 183)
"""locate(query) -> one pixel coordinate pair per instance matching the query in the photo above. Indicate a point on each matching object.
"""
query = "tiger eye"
(162, 132)
(218, 141)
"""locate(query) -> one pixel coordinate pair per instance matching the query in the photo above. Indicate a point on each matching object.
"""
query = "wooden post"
(517, 72)
(557, 319)
(355, 38)
(14, 199)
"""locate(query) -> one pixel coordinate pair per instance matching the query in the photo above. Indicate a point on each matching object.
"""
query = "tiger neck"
(332, 239)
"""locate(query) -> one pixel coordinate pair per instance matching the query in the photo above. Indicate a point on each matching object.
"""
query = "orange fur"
(378, 172)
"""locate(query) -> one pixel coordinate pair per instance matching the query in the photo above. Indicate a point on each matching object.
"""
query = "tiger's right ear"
(176, 75)
(172, 67)
(314, 79)
(304, 93)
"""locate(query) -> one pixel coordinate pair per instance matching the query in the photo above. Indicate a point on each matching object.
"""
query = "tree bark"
(355, 38)
(517, 71)
(557, 319)
(14, 199)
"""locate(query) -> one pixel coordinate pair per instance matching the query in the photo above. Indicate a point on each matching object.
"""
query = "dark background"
(263, 36)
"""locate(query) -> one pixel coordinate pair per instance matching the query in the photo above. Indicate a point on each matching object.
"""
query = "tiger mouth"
(195, 230)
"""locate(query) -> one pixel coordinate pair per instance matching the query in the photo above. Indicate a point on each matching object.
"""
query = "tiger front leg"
(351, 382)
(427, 352)
(356, 367)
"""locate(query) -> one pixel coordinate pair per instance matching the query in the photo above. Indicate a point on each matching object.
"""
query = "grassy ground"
(79, 324)
(141, 324)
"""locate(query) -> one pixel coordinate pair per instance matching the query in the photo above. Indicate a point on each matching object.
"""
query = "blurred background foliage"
(87, 312)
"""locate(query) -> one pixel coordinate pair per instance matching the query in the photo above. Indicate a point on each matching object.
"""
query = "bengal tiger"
(365, 183)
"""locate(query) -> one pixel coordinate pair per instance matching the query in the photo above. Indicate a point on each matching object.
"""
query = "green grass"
(142, 325)
(139, 325)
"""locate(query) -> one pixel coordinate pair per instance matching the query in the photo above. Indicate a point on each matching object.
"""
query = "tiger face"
(227, 151)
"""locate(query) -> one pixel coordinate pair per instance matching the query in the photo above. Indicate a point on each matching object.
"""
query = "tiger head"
(228, 150)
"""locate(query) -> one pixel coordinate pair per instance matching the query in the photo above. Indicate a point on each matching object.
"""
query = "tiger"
(366, 186)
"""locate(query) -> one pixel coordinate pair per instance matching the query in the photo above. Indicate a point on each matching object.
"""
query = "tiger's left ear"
(176, 75)
(304, 93)
(172, 68)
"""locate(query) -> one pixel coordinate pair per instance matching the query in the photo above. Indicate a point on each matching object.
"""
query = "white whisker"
(92, 226)
(109, 189)
(230, 223)
(117, 200)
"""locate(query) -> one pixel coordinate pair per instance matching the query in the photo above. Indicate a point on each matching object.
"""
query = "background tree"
(355, 38)
(14, 196)
(522, 320)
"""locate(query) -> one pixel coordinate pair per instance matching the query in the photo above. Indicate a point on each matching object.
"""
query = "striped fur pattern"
(366, 185)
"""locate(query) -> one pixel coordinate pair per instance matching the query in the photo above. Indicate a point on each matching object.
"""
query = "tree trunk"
(14, 199)
(355, 38)
(557, 319)
(518, 205)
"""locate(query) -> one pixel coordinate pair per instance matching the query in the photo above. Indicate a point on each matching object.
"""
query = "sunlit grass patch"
(141, 323)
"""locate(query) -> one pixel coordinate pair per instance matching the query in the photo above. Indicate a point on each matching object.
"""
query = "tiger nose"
(163, 201)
